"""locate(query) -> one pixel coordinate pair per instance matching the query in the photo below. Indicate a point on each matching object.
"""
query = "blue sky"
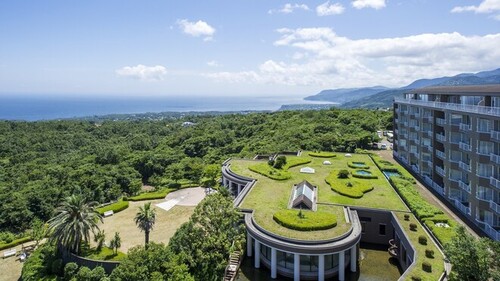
(239, 48)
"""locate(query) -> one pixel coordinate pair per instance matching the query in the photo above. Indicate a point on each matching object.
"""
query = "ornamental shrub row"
(364, 176)
(149, 195)
(14, 243)
(270, 172)
(322, 154)
(115, 207)
(307, 222)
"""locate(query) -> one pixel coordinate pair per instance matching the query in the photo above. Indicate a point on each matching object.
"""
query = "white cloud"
(485, 7)
(339, 61)
(289, 8)
(143, 73)
(327, 9)
(197, 29)
(213, 63)
(375, 4)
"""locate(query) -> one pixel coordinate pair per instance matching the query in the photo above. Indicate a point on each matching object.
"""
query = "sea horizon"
(40, 108)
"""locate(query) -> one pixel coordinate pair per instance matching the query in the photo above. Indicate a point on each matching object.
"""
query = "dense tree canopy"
(41, 163)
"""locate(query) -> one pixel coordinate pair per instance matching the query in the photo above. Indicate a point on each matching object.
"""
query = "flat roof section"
(493, 89)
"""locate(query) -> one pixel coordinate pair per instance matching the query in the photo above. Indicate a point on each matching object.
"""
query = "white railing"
(464, 209)
(441, 138)
(464, 186)
(440, 154)
(440, 170)
(428, 118)
(429, 134)
(465, 146)
(495, 111)
(440, 121)
(495, 158)
(415, 168)
(494, 182)
(493, 233)
(416, 114)
(464, 166)
(465, 127)
(495, 207)
(438, 188)
(417, 128)
(495, 135)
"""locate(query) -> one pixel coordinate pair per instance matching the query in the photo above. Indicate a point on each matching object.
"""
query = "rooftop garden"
(270, 196)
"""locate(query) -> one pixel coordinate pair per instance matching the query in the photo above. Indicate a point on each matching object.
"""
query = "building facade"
(450, 137)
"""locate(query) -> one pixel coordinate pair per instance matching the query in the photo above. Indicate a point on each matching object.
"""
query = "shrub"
(322, 154)
(115, 207)
(416, 278)
(98, 273)
(308, 222)
(296, 161)
(280, 162)
(429, 253)
(413, 227)
(270, 162)
(14, 243)
(70, 270)
(151, 195)
(349, 184)
(57, 267)
(270, 172)
(84, 273)
(174, 185)
(422, 240)
(361, 165)
(343, 174)
(407, 217)
(348, 189)
(426, 266)
(364, 176)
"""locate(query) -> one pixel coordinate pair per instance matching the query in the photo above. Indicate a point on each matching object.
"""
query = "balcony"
(495, 158)
(438, 188)
(441, 154)
(495, 135)
(464, 166)
(465, 127)
(494, 182)
(495, 207)
(465, 146)
(429, 133)
(441, 138)
(417, 128)
(493, 233)
(440, 121)
(464, 186)
(464, 209)
(416, 114)
(428, 118)
(415, 168)
(440, 171)
(492, 111)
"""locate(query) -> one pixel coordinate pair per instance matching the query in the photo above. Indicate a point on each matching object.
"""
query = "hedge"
(310, 220)
(322, 154)
(296, 161)
(115, 207)
(364, 176)
(14, 243)
(340, 186)
(358, 166)
(150, 195)
(270, 172)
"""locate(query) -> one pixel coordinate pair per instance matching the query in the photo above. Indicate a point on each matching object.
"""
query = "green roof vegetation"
(116, 207)
(349, 187)
(269, 196)
(160, 194)
(305, 220)
(322, 154)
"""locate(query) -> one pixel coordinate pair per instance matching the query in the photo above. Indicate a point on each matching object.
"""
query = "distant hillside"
(345, 95)
(385, 98)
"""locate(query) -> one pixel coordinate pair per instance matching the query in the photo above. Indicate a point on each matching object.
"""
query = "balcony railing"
(495, 207)
(440, 121)
(415, 168)
(428, 118)
(495, 158)
(464, 166)
(495, 135)
(465, 127)
(464, 186)
(440, 171)
(495, 111)
(438, 188)
(429, 133)
(441, 154)
(464, 209)
(494, 182)
(416, 114)
(493, 233)
(441, 138)
(465, 146)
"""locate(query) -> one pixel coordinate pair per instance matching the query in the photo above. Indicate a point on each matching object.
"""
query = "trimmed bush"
(416, 278)
(413, 226)
(14, 243)
(358, 166)
(70, 270)
(364, 176)
(426, 266)
(296, 161)
(407, 217)
(307, 222)
(115, 207)
(270, 172)
(151, 195)
(343, 174)
(429, 253)
(322, 154)
(422, 240)
(349, 188)
(57, 267)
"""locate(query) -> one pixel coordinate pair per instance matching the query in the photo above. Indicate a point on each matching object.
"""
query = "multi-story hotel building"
(450, 137)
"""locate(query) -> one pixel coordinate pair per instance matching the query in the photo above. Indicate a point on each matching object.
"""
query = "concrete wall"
(371, 222)
(81, 261)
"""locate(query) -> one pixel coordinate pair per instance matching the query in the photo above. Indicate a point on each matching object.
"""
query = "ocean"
(34, 108)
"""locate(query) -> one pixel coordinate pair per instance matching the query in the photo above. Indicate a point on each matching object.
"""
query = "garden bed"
(305, 220)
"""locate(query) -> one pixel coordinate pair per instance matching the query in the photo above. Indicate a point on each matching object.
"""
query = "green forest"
(41, 163)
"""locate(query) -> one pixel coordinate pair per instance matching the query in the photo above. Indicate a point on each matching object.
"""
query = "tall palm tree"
(73, 222)
(145, 220)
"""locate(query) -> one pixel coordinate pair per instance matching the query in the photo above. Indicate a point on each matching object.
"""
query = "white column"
(354, 251)
(321, 267)
(341, 266)
(257, 254)
(274, 264)
(239, 189)
(296, 267)
(249, 245)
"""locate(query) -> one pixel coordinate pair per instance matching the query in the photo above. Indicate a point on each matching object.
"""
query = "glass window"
(331, 261)
(381, 229)
(483, 125)
(485, 147)
(484, 170)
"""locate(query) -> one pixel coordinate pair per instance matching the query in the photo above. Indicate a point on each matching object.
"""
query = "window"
(485, 147)
(484, 170)
(381, 229)
(483, 125)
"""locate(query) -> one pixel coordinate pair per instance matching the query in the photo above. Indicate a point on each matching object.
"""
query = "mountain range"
(380, 97)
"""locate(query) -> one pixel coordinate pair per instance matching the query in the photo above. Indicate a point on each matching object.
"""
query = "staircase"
(233, 266)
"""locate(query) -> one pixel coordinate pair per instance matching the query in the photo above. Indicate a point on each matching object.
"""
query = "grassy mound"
(115, 207)
(364, 176)
(348, 187)
(309, 221)
(358, 166)
(322, 154)
(270, 172)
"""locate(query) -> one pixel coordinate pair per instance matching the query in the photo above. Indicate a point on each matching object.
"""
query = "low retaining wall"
(108, 266)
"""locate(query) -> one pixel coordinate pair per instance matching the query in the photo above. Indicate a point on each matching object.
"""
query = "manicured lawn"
(160, 194)
(437, 262)
(305, 220)
(105, 254)
(270, 196)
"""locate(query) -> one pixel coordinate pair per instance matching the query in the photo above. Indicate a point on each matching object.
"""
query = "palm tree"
(145, 219)
(73, 221)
